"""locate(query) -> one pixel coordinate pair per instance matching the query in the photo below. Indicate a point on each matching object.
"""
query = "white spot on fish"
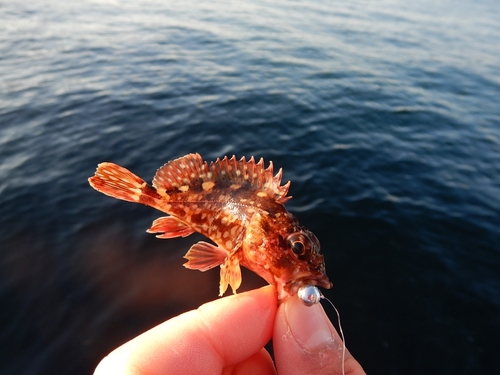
(207, 185)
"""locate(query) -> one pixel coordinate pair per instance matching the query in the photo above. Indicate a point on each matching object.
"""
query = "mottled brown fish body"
(238, 204)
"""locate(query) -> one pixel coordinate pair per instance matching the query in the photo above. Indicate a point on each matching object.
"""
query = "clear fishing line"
(311, 295)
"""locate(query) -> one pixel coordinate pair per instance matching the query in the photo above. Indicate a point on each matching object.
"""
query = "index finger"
(219, 334)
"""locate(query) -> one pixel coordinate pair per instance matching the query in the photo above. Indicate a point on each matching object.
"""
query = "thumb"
(305, 342)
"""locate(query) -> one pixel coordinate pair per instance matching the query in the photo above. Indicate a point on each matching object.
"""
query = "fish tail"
(120, 183)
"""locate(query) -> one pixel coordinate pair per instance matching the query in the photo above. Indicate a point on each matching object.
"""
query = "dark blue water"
(385, 116)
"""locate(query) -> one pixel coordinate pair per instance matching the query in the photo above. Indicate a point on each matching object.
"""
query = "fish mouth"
(291, 287)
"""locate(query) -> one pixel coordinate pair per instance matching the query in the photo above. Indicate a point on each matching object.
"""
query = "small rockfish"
(237, 204)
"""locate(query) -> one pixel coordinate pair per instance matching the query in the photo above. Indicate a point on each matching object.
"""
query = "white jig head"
(309, 295)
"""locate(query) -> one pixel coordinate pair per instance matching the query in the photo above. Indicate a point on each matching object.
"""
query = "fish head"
(285, 254)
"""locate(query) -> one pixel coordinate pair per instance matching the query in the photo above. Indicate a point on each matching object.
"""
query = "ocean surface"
(384, 115)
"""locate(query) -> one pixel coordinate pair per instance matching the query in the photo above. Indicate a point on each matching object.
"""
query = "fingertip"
(112, 364)
(310, 325)
(239, 323)
(305, 341)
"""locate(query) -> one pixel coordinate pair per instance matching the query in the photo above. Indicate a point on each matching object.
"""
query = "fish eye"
(297, 245)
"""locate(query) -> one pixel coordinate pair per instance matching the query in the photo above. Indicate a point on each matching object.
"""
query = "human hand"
(227, 336)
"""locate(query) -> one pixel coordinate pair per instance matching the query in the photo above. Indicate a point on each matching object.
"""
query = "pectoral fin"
(203, 256)
(170, 227)
(230, 274)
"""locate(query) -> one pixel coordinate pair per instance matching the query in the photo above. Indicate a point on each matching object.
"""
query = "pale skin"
(228, 335)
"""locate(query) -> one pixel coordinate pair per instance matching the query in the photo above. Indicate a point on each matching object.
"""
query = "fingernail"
(309, 325)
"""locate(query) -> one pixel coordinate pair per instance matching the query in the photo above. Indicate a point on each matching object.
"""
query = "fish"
(239, 206)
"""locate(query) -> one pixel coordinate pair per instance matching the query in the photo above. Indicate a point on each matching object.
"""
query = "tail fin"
(120, 183)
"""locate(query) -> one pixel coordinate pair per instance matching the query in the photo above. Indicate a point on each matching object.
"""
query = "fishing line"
(310, 295)
(341, 332)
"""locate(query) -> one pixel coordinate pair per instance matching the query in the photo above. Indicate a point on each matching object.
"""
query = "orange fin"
(184, 171)
(230, 274)
(253, 174)
(120, 183)
(170, 227)
(203, 256)
(191, 170)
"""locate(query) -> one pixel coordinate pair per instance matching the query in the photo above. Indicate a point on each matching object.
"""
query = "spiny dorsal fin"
(185, 171)
(191, 170)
